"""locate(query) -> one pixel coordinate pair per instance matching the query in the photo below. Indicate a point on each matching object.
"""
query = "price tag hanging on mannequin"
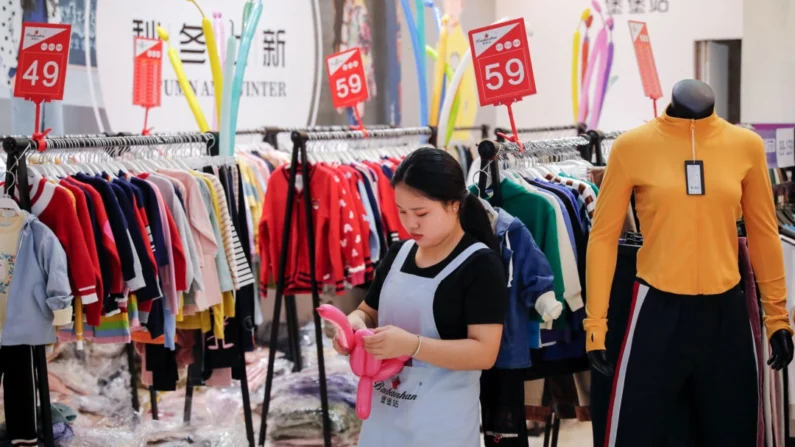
(639, 32)
(147, 76)
(347, 80)
(503, 70)
(41, 67)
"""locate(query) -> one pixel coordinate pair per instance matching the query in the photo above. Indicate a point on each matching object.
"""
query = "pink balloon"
(389, 368)
(363, 364)
(340, 322)
(357, 360)
(364, 398)
(596, 71)
(370, 365)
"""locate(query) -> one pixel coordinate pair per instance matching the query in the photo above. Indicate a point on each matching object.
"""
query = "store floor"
(572, 434)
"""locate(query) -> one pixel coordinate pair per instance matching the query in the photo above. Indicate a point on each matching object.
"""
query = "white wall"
(768, 62)
(551, 24)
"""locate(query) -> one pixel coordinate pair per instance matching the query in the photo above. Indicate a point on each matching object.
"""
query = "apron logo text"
(392, 393)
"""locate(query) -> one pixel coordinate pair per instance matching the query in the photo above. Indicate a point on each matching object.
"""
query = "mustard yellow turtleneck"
(689, 242)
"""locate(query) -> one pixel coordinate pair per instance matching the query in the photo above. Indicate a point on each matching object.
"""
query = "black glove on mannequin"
(782, 347)
(599, 362)
(780, 343)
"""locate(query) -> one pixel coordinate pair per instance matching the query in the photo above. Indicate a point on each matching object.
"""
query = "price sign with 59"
(43, 59)
(346, 76)
(501, 58)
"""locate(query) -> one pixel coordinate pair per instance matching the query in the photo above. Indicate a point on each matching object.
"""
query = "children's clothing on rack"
(164, 252)
(35, 295)
(356, 219)
(542, 219)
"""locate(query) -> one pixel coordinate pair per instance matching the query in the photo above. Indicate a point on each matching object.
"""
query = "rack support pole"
(293, 332)
(277, 304)
(136, 403)
(321, 363)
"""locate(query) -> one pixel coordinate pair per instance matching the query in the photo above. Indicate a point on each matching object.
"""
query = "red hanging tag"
(503, 69)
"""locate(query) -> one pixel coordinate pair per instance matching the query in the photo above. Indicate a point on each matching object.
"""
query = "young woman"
(439, 298)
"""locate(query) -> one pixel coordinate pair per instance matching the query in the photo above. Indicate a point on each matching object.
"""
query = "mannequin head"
(692, 99)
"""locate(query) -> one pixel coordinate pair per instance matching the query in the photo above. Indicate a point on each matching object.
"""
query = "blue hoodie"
(40, 296)
(530, 285)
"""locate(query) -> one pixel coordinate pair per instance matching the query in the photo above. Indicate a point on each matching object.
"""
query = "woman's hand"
(390, 342)
(357, 322)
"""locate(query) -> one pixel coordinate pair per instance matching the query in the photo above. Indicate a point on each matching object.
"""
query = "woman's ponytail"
(438, 176)
(475, 221)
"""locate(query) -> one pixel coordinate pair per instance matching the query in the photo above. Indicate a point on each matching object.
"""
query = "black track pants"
(19, 394)
(695, 346)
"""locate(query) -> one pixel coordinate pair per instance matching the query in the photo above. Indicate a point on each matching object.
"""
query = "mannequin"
(688, 331)
(693, 99)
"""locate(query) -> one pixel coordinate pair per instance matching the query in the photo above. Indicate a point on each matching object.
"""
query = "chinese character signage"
(148, 74)
(639, 32)
(779, 144)
(283, 77)
(618, 7)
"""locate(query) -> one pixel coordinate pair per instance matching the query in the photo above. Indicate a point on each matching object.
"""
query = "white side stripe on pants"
(626, 349)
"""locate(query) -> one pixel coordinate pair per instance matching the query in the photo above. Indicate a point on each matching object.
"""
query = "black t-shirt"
(475, 293)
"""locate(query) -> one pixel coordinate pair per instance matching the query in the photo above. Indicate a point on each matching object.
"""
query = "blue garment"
(580, 206)
(375, 248)
(39, 295)
(534, 334)
(569, 194)
(153, 215)
(529, 277)
(566, 219)
(121, 233)
(387, 171)
(147, 198)
(151, 291)
(371, 196)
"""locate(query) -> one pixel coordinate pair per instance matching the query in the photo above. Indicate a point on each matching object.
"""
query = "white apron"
(424, 405)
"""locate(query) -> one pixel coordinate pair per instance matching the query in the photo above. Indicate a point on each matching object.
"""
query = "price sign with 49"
(43, 59)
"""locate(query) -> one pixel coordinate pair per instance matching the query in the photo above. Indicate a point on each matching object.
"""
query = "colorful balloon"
(420, 8)
(182, 78)
(419, 60)
(463, 66)
(577, 67)
(363, 364)
(249, 27)
(439, 78)
(604, 78)
(594, 73)
(226, 145)
(341, 324)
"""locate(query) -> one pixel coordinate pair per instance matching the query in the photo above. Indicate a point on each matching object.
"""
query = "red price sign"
(43, 59)
(346, 76)
(501, 58)
(148, 73)
(643, 53)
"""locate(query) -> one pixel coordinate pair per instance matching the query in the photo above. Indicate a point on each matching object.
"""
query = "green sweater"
(538, 215)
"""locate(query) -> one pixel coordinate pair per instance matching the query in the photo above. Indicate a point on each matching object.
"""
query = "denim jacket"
(39, 297)
(529, 286)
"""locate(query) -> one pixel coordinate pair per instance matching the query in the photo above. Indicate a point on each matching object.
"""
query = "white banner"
(283, 78)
